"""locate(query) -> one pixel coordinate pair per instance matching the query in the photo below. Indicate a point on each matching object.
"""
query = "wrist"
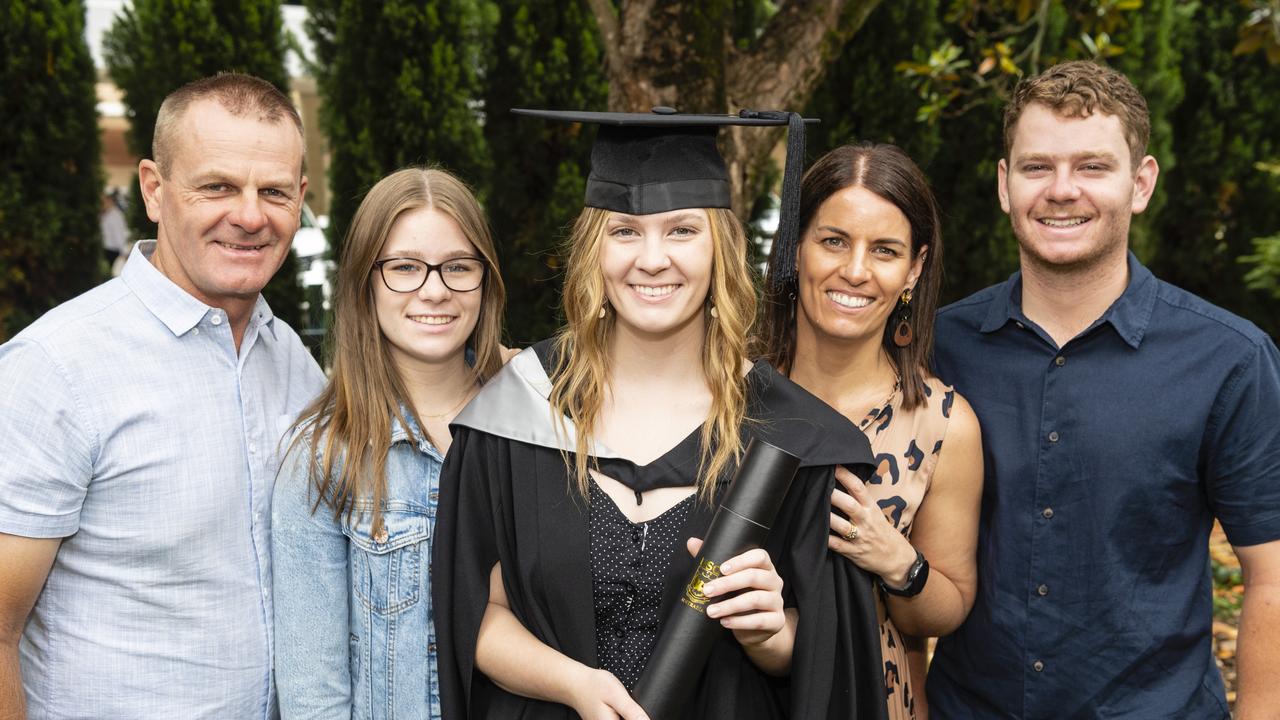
(916, 577)
(904, 560)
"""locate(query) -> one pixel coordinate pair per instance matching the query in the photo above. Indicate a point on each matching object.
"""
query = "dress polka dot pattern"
(629, 563)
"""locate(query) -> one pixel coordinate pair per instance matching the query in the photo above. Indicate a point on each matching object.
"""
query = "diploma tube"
(741, 522)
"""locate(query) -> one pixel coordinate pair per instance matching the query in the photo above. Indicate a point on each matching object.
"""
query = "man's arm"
(1258, 645)
(24, 565)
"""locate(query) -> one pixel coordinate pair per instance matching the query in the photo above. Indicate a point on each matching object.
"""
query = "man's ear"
(152, 186)
(1144, 183)
(1002, 184)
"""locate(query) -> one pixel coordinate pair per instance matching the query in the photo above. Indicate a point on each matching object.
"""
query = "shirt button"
(1043, 590)
(1038, 666)
(1053, 436)
(1059, 361)
(1047, 513)
(195, 331)
(619, 632)
(216, 319)
(380, 536)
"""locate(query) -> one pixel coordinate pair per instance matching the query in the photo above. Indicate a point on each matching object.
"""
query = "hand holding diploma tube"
(737, 532)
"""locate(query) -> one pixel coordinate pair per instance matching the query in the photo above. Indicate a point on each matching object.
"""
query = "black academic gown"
(505, 496)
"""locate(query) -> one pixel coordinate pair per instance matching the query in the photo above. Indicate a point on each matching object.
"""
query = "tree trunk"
(681, 54)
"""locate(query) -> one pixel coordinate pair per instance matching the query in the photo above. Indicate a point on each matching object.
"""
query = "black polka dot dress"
(629, 563)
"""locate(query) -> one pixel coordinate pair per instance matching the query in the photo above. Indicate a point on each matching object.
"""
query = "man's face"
(1070, 189)
(229, 205)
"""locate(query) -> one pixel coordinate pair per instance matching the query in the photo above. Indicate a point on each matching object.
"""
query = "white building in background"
(113, 121)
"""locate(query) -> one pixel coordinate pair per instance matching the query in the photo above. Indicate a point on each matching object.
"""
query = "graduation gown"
(506, 496)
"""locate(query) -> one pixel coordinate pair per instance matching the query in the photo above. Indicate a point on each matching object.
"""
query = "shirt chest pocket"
(387, 566)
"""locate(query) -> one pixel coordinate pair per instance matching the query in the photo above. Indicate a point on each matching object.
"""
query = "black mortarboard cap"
(645, 163)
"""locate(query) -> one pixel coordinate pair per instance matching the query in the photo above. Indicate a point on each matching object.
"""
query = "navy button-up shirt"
(1106, 461)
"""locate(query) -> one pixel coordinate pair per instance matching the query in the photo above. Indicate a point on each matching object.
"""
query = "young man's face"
(1070, 189)
(229, 205)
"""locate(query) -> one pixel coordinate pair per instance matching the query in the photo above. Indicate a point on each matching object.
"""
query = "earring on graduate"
(604, 310)
(902, 335)
(715, 314)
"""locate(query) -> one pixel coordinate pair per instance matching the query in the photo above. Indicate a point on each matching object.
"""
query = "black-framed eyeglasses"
(406, 275)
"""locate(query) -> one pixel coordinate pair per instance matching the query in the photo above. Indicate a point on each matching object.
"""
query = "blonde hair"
(581, 369)
(350, 421)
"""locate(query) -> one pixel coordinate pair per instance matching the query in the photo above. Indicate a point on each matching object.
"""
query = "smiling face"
(430, 326)
(229, 205)
(855, 261)
(1069, 188)
(657, 269)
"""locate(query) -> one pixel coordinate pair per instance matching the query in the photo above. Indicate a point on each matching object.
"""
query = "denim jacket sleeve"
(312, 589)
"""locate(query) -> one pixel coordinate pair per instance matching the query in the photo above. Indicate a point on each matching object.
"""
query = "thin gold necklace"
(470, 393)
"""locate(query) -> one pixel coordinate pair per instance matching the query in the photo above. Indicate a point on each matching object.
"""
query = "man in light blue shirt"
(140, 425)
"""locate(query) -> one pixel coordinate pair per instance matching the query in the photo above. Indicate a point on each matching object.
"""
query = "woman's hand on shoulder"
(599, 695)
(862, 533)
(756, 614)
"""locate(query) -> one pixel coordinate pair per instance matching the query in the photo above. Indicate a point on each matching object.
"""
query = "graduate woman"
(583, 474)
(417, 316)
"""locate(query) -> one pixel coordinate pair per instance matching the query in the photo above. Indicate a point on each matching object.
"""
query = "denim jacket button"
(380, 536)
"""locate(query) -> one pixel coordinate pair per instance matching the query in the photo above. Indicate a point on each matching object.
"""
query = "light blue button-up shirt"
(134, 430)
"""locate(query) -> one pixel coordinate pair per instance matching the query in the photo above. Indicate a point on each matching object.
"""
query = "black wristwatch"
(917, 576)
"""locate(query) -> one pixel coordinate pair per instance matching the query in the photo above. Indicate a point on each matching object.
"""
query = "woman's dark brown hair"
(886, 171)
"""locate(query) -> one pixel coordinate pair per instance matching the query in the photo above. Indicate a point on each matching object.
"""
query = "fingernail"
(724, 567)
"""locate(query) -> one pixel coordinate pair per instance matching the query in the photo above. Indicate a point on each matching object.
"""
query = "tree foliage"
(543, 54)
(156, 46)
(50, 172)
(400, 81)
(1218, 197)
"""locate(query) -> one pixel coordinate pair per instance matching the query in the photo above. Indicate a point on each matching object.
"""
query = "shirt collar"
(400, 432)
(1129, 314)
(172, 305)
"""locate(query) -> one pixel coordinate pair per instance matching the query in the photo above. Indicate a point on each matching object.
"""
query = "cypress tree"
(157, 46)
(50, 171)
(400, 82)
(544, 54)
(1218, 199)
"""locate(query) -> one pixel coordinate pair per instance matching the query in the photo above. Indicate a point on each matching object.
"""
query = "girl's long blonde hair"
(349, 423)
(581, 371)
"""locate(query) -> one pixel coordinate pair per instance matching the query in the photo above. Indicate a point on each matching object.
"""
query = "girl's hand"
(756, 614)
(599, 695)
(875, 545)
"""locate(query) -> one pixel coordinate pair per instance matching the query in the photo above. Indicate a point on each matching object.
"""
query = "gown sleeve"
(463, 554)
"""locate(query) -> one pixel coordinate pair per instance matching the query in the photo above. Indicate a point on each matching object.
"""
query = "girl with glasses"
(417, 317)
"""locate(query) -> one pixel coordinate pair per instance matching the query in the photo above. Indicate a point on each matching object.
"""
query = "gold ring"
(853, 532)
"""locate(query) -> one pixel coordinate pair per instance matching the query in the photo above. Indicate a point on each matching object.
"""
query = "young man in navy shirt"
(1120, 416)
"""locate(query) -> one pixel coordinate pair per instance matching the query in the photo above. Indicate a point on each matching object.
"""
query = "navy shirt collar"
(1129, 314)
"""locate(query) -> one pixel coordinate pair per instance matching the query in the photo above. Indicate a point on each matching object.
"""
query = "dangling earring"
(604, 310)
(902, 335)
(791, 300)
(715, 314)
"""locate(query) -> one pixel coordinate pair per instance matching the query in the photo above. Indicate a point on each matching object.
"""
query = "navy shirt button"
(1043, 590)
(1059, 361)
(1047, 513)
(1037, 666)
(1053, 436)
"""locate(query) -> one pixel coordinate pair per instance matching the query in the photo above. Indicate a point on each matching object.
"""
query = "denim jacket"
(353, 630)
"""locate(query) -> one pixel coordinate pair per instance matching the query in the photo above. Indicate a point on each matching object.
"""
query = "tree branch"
(785, 64)
(607, 22)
